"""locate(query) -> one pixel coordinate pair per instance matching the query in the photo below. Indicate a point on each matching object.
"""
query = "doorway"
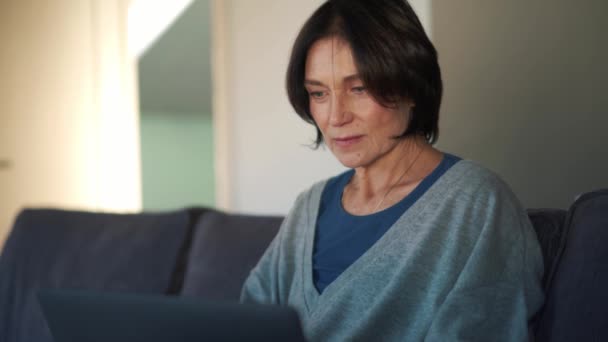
(175, 114)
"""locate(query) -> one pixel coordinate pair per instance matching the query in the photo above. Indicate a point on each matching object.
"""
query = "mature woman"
(411, 243)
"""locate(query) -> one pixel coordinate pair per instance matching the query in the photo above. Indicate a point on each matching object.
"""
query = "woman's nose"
(339, 111)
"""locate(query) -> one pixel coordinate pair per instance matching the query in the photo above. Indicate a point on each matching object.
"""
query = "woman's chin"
(349, 160)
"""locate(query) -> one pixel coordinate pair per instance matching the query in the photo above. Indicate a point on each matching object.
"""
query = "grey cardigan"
(462, 264)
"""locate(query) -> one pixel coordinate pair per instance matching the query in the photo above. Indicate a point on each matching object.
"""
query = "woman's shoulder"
(306, 205)
(468, 183)
(468, 176)
(313, 193)
(476, 192)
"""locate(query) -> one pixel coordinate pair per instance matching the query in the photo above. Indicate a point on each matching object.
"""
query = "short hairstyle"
(393, 55)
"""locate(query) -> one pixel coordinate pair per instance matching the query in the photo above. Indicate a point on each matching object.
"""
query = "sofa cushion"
(79, 250)
(577, 297)
(224, 249)
(548, 224)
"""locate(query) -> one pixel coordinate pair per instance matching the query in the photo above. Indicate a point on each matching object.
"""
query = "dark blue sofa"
(206, 253)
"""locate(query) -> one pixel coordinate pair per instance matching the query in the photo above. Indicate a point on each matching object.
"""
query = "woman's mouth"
(347, 141)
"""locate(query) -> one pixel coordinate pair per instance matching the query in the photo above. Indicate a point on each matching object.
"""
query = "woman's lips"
(347, 141)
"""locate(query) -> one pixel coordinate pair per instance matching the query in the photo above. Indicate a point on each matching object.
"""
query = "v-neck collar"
(311, 294)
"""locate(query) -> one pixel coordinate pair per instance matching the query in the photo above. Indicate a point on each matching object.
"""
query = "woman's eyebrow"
(349, 78)
(314, 82)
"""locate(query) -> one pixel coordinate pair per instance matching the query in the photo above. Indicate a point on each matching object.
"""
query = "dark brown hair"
(395, 58)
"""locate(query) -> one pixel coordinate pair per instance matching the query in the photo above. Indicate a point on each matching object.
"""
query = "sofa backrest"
(576, 304)
(80, 250)
(224, 249)
(549, 227)
(574, 244)
(206, 253)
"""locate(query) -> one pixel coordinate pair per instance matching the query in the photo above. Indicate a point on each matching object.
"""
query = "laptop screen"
(94, 316)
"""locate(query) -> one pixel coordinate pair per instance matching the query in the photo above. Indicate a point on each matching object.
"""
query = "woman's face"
(356, 128)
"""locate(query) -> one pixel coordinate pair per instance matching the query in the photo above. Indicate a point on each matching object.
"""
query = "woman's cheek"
(317, 111)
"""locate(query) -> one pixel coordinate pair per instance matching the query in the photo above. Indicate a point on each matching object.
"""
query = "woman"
(411, 243)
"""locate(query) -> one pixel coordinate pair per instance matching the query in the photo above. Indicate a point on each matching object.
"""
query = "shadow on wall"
(524, 92)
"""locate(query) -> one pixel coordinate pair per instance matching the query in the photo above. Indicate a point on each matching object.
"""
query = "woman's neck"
(387, 180)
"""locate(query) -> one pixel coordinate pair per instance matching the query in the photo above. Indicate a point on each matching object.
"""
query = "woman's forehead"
(330, 58)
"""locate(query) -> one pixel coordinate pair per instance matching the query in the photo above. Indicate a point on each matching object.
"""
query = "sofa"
(202, 252)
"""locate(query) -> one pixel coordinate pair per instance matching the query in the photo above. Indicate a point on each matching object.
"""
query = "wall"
(177, 160)
(525, 92)
(67, 113)
(262, 149)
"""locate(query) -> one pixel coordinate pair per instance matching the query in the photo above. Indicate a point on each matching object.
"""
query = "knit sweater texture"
(461, 264)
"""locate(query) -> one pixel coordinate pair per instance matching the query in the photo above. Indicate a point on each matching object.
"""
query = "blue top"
(341, 238)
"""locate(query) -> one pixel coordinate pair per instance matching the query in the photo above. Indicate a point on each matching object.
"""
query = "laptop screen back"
(89, 316)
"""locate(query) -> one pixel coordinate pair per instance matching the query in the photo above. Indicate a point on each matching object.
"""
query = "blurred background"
(123, 106)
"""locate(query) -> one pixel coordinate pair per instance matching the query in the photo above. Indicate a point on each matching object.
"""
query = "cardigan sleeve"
(261, 286)
(499, 288)
(270, 280)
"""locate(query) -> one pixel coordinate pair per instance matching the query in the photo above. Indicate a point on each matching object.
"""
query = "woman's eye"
(358, 90)
(316, 94)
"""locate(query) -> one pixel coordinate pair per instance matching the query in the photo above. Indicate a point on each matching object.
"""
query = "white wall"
(269, 162)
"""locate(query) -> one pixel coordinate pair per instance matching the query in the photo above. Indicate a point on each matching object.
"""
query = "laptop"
(92, 316)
